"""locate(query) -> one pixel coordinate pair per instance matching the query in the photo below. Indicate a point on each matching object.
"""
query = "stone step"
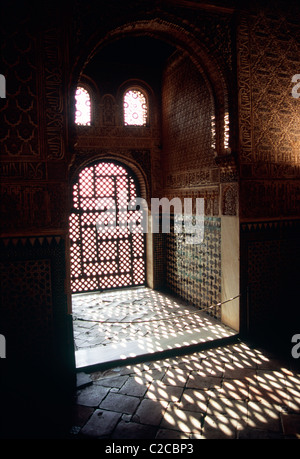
(122, 352)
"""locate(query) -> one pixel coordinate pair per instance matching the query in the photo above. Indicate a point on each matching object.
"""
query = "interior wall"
(34, 163)
(230, 283)
(269, 118)
(187, 117)
(34, 307)
(198, 272)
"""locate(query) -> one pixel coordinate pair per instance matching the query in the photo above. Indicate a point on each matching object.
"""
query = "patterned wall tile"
(193, 271)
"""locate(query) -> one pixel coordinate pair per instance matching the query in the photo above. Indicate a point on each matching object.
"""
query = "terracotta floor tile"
(182, 420)
(91, 395)
(101, 424)
(120, 403)
(150, 412)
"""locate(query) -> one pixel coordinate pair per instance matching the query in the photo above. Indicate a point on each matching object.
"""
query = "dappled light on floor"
(139, 321)
(233, 392)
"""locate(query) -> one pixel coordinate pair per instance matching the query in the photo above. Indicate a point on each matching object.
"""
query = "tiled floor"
(231, 392)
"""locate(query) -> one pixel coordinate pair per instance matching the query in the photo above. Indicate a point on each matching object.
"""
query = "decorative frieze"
(53, 80)
(270, 199)
(31, 207)
(22, 170)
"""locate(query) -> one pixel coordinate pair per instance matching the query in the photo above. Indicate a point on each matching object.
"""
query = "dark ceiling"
(139, 57)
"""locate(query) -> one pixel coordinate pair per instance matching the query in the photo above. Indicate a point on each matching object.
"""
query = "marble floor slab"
(122, 324)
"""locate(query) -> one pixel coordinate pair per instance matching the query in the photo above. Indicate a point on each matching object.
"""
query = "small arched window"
(83, 107)
(135, 108)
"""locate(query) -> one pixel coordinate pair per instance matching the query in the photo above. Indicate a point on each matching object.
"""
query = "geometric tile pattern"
(26, 285)
(194, 270)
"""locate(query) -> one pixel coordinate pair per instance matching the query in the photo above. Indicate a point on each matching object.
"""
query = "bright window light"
(135, 108)
(83, 107)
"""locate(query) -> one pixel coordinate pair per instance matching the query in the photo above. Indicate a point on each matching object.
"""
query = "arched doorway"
(195, 275)
(105, 251)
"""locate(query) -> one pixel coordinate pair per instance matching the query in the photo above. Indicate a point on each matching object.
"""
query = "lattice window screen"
(110, 258)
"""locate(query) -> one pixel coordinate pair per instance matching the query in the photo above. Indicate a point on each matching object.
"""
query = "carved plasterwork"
(19, 115)
(268, 56)
(230, 199)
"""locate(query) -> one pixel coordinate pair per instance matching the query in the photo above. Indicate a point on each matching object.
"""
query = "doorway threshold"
(126, 326)
(146, 349)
